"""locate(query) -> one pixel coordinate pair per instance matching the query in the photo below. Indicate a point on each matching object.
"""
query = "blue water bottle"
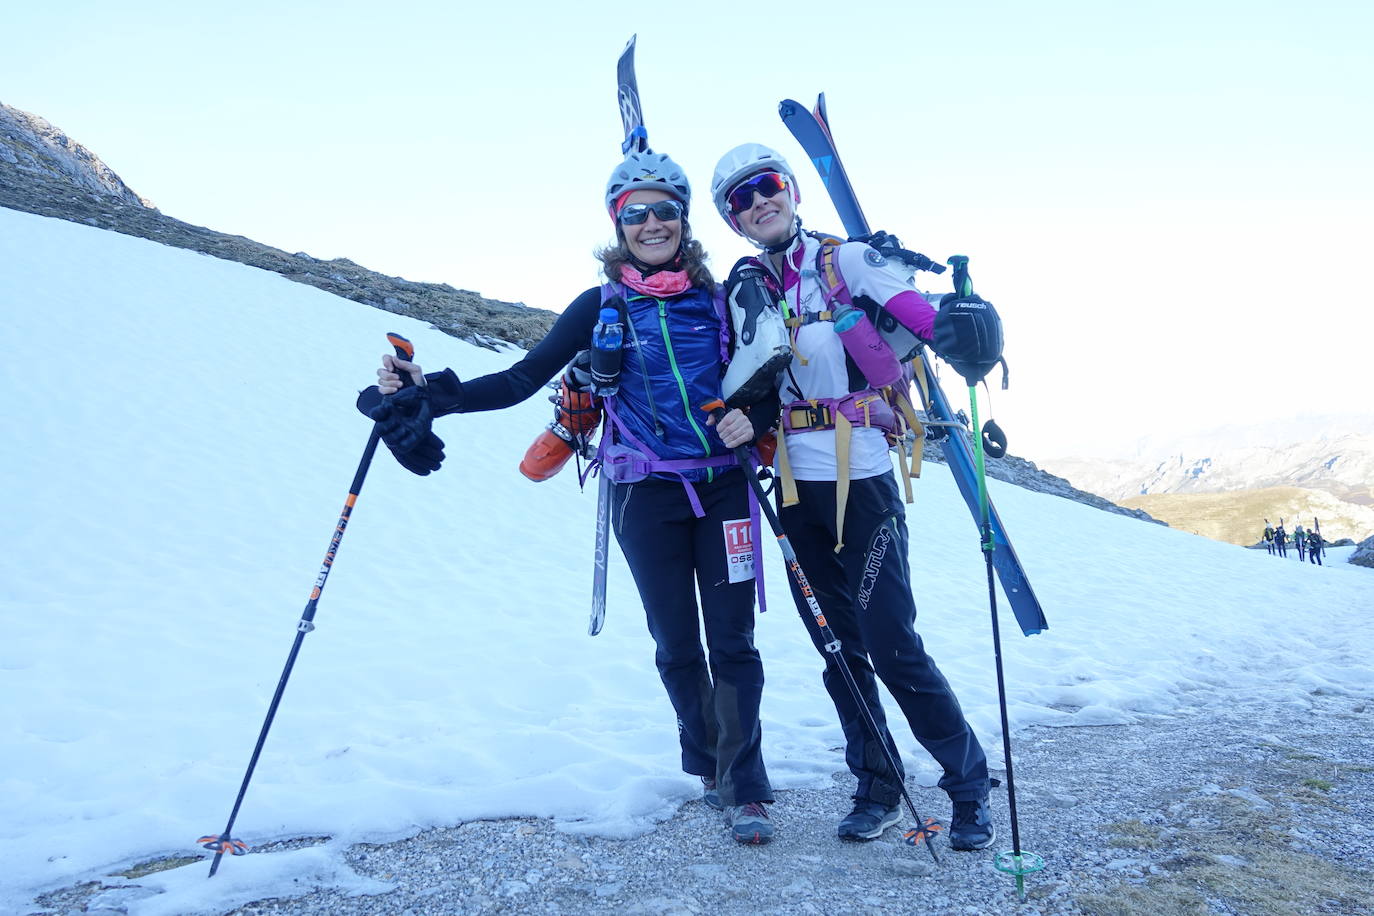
(607, 337)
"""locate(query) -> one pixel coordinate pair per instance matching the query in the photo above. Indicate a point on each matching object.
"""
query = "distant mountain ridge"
(1342, 466)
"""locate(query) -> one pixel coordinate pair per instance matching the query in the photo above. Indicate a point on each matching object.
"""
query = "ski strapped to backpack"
(812, 131)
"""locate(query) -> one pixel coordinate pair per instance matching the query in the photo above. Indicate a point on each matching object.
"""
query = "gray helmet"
(738, 164)
(648, 171)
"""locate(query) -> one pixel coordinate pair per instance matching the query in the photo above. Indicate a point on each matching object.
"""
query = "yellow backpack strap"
(906, 476)
(918, 367)
(789, 483)
(843, 430)
(792, 341)
(913, 422)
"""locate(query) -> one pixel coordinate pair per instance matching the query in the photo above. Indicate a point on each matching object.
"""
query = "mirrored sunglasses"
(667, 211)
(769, 184)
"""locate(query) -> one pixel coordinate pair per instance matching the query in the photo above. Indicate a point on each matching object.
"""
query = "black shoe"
(972, 826)
(868, 820)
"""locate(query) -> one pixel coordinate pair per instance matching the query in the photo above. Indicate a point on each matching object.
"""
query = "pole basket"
(926, 831)
(1018, 865)
(224, 844)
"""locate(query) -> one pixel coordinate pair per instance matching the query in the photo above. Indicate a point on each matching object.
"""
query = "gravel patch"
(1242, 809)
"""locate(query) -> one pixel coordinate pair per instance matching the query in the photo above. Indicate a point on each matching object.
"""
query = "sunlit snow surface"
(179, 440)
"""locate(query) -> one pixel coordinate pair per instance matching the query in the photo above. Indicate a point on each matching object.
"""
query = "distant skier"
(1315, 545)
(1281, 540)
(1268, 537)
(1300, 541)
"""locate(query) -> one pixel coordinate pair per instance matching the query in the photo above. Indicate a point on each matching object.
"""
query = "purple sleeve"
(913, 311)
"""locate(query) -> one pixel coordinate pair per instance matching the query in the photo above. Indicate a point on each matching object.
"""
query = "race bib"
(739, 549)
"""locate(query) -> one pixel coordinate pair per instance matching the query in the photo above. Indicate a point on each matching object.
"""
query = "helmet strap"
(786, 243)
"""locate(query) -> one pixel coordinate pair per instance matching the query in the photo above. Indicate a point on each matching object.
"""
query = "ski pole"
(225, 842)
(926, 828)
(1018, 863)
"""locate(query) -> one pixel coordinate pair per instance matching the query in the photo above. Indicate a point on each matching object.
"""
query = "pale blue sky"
(1169, 202)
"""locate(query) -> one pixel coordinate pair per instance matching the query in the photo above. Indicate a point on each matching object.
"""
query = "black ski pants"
(716, 693)
(865, 593)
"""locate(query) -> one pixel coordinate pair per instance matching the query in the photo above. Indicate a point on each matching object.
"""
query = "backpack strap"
(651, 463)
(726, 329)
(844, 430)
(790, 497)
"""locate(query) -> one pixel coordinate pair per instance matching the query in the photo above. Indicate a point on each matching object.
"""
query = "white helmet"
(741, 162)
(648, 171)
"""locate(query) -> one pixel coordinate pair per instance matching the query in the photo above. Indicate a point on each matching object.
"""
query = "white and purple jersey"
(826, 372)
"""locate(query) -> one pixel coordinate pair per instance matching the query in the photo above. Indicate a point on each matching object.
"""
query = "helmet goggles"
(767, 184)
(667, 211)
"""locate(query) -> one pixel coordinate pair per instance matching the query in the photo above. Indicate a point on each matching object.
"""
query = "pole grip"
(963, 285)
(404, 350)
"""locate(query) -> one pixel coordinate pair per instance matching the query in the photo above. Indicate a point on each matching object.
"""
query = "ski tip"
(788, 109)
(819, 112)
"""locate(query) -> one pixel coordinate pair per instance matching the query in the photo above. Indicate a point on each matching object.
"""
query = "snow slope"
(179, 440)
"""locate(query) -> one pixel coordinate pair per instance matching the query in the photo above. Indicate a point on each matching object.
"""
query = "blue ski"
(812, 131)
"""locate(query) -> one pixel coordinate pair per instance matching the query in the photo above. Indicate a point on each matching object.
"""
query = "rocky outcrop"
(1364, 553)
(30, 145)
(43, 171)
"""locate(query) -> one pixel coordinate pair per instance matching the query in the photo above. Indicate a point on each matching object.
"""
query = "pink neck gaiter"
(659, 284)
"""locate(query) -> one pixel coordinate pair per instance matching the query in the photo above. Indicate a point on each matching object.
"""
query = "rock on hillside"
(44, 171)
(31, 145)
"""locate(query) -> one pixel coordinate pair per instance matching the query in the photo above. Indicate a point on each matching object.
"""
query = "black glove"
(404, 420)
(968, 335)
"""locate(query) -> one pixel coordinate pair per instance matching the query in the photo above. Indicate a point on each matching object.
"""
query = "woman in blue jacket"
(684, 494)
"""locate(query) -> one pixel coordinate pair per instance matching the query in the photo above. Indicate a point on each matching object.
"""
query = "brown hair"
(694, 258)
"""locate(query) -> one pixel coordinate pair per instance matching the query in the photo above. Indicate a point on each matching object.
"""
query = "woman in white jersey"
(857, 567)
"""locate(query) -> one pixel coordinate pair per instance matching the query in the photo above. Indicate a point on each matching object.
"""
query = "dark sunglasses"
(667, 211)
(769, 184)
